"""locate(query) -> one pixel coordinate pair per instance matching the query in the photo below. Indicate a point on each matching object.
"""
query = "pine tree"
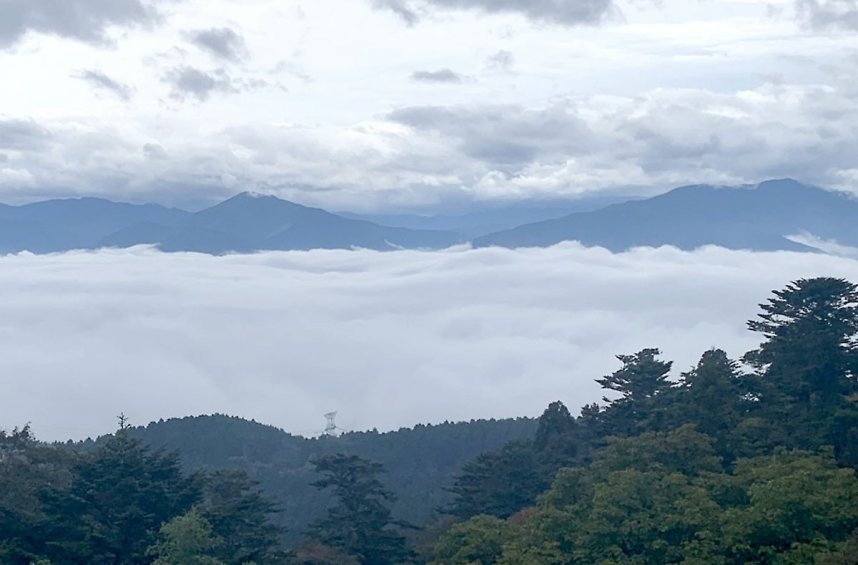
(498, 483)
(26, 468)
(811, 347)
(807, 365)
(713, 397)
(557, 442)
(242, 517)
(640, 381)
(116, 503)
(360, 524)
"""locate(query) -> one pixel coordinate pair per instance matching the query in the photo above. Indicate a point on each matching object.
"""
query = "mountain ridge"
(243, 223)
(763, 217)
(758, 217)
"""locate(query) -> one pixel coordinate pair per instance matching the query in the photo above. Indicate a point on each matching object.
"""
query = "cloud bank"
(439, 76)
(83, 20)
(563, 12)
(828, 14)
(720, 92)
(421, 156)
(101, 81)
(388, 339)
(191, 82)
(224, 43)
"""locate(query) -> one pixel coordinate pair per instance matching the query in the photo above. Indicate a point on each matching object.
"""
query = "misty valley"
(735, 461)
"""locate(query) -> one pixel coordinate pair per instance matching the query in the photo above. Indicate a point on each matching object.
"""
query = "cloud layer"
(828, 14)
(84, 20)
(388, 339)
(224, 43)
(101, 81)
(564, 12)
(439, 76)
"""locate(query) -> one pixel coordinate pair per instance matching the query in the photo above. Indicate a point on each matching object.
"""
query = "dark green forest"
(735, 461)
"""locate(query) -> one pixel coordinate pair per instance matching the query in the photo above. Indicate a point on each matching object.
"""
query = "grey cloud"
(100, 80)
(447, 155)
(828, 14)
(221, 42)
(22, 135)
(4, 158)
(154, 151)
(84, 20)
(502, 60)
(502, 135)
(191, 82)
(400, 8)
(439, 76)
(494, 333)
(564, 12)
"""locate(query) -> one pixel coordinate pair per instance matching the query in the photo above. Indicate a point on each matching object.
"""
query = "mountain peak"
(747, 217)
(782, 184)
(253, 195)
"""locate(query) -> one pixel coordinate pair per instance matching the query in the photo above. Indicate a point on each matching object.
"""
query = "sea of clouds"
(387, 339)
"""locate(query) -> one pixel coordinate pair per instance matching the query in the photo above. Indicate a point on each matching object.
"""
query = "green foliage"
(26, 466)
(478, 541)
(684, 450)
(808, 364)
(786, 508)
(360, 524)
(241, 516)
(640, 381)
(420, 461)
(503, 482)
(844, 554)
(641, 501)
(109, 506)
(116, 502)
(559, 441)
(187, 540)
(498, 483)
(793, 499)
(713, 396)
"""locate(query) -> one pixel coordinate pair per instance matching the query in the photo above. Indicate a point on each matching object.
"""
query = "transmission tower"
(331, 428)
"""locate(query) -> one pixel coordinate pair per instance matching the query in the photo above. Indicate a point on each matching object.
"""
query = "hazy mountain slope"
(249, 223)
(757, 218)
(490, 217)
(420, 461)
(78, 223)
(244, 223)
(688, 217)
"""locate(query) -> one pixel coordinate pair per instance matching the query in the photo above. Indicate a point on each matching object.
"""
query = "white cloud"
(388, 339)
(422, 155)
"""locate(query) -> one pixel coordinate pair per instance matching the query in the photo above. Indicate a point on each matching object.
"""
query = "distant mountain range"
(763, 217)
(244, 223)
(491, 217)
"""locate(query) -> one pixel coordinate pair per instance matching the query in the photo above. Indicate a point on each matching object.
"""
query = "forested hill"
(420, 461)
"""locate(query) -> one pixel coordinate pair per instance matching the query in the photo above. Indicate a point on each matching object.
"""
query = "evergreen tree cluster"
(124, 504)
(732, 463)
(420, 461)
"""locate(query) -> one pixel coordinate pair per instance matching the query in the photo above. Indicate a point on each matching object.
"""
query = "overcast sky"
(383, 104)
(388, 339)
